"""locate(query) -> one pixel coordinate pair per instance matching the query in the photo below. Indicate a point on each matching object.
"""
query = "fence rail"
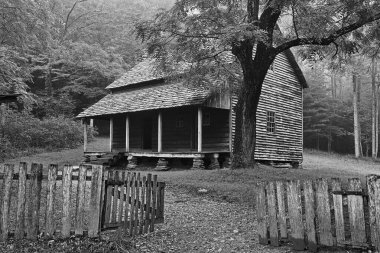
(72, 201)
(320, 213)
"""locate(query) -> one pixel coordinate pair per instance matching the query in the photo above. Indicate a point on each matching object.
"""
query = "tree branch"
(68, 16)
(326, 40)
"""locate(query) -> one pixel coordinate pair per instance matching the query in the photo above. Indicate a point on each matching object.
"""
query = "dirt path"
(199, 224)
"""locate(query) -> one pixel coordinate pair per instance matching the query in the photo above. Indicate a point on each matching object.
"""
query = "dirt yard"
(220, 220)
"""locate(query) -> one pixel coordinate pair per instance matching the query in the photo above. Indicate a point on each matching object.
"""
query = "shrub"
(22, 131)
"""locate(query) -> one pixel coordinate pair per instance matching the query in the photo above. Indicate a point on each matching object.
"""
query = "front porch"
(184, 132)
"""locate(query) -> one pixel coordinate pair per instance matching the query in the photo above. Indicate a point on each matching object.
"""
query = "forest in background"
(329, 103)
(60, 55)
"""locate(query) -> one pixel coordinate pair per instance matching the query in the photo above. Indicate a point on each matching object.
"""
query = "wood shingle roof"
(148, 98)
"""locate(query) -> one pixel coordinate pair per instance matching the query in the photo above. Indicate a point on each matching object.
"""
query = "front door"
(147, 133)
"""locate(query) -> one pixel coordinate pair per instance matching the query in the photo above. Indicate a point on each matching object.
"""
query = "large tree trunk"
(374, 109)
(254, 72)
(356, 117)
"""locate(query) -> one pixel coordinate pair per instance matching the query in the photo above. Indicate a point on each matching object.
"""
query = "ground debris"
(73, 244)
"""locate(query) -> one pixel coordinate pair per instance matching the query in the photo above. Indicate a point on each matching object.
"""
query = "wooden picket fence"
(77, 209)
(140, 199)
(317, 214)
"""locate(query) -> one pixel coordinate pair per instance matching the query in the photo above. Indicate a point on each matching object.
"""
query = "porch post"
(111, 134)
(84, 135)
(159, 144)
(199, 129)
(127, 133)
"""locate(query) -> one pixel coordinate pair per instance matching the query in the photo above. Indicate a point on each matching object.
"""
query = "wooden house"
(151, 116)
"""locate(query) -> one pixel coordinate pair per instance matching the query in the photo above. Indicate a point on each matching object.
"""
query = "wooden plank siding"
(281, 94)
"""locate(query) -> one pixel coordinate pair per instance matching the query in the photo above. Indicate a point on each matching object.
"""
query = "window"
(179, 123)
(271, 124)
(206, 119)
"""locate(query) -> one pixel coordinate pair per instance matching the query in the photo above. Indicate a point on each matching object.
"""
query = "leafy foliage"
(24, 132)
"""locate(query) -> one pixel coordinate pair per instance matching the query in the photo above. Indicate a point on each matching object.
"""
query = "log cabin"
(151, 115)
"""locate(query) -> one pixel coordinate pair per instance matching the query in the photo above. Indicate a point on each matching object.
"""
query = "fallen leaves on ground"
(200, 224)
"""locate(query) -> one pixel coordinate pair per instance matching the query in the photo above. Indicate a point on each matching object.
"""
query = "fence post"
(373, 184)
(115, 197)
(133, 198)
(281, 209)
(295, 215)
(338, 210)
(148, 197)
(96, 193)
(143, 205)
(323, 212)
(154, 202)
(261, 214)
(355, 208)
(108, 187)
(121, 196)
(21, 199)
(34, 201)
(309, 195)
(8, 173)
(66, 189)
(127, 192)
(81, 191)
(50, 212)
(272, 212)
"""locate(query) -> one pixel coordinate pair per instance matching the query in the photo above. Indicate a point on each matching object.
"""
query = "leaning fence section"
(321, 213)
(133, 202)
(81, 201)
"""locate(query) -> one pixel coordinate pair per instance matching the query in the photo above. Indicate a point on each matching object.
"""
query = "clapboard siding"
(282, 94)
(216, 135)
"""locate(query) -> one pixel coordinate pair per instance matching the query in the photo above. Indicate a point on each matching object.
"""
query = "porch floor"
(173, 154)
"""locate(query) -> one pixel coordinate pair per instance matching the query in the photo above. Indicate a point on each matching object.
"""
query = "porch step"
(110, 159)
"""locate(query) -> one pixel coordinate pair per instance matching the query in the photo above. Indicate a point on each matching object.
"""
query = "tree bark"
(374, 109)
(356, 116)
(254, 72)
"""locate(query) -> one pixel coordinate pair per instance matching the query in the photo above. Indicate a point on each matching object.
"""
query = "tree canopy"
(254, 31)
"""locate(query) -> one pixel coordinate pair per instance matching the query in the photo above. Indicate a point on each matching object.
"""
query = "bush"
(23, 132)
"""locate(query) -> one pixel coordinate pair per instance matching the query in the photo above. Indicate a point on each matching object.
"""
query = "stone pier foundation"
(132, 163)
(214, 165)
(162, 165)
(198, 164)
(227, 163)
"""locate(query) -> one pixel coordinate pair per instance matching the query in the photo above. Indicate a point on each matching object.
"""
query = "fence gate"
(321, 213)
(132, 202)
